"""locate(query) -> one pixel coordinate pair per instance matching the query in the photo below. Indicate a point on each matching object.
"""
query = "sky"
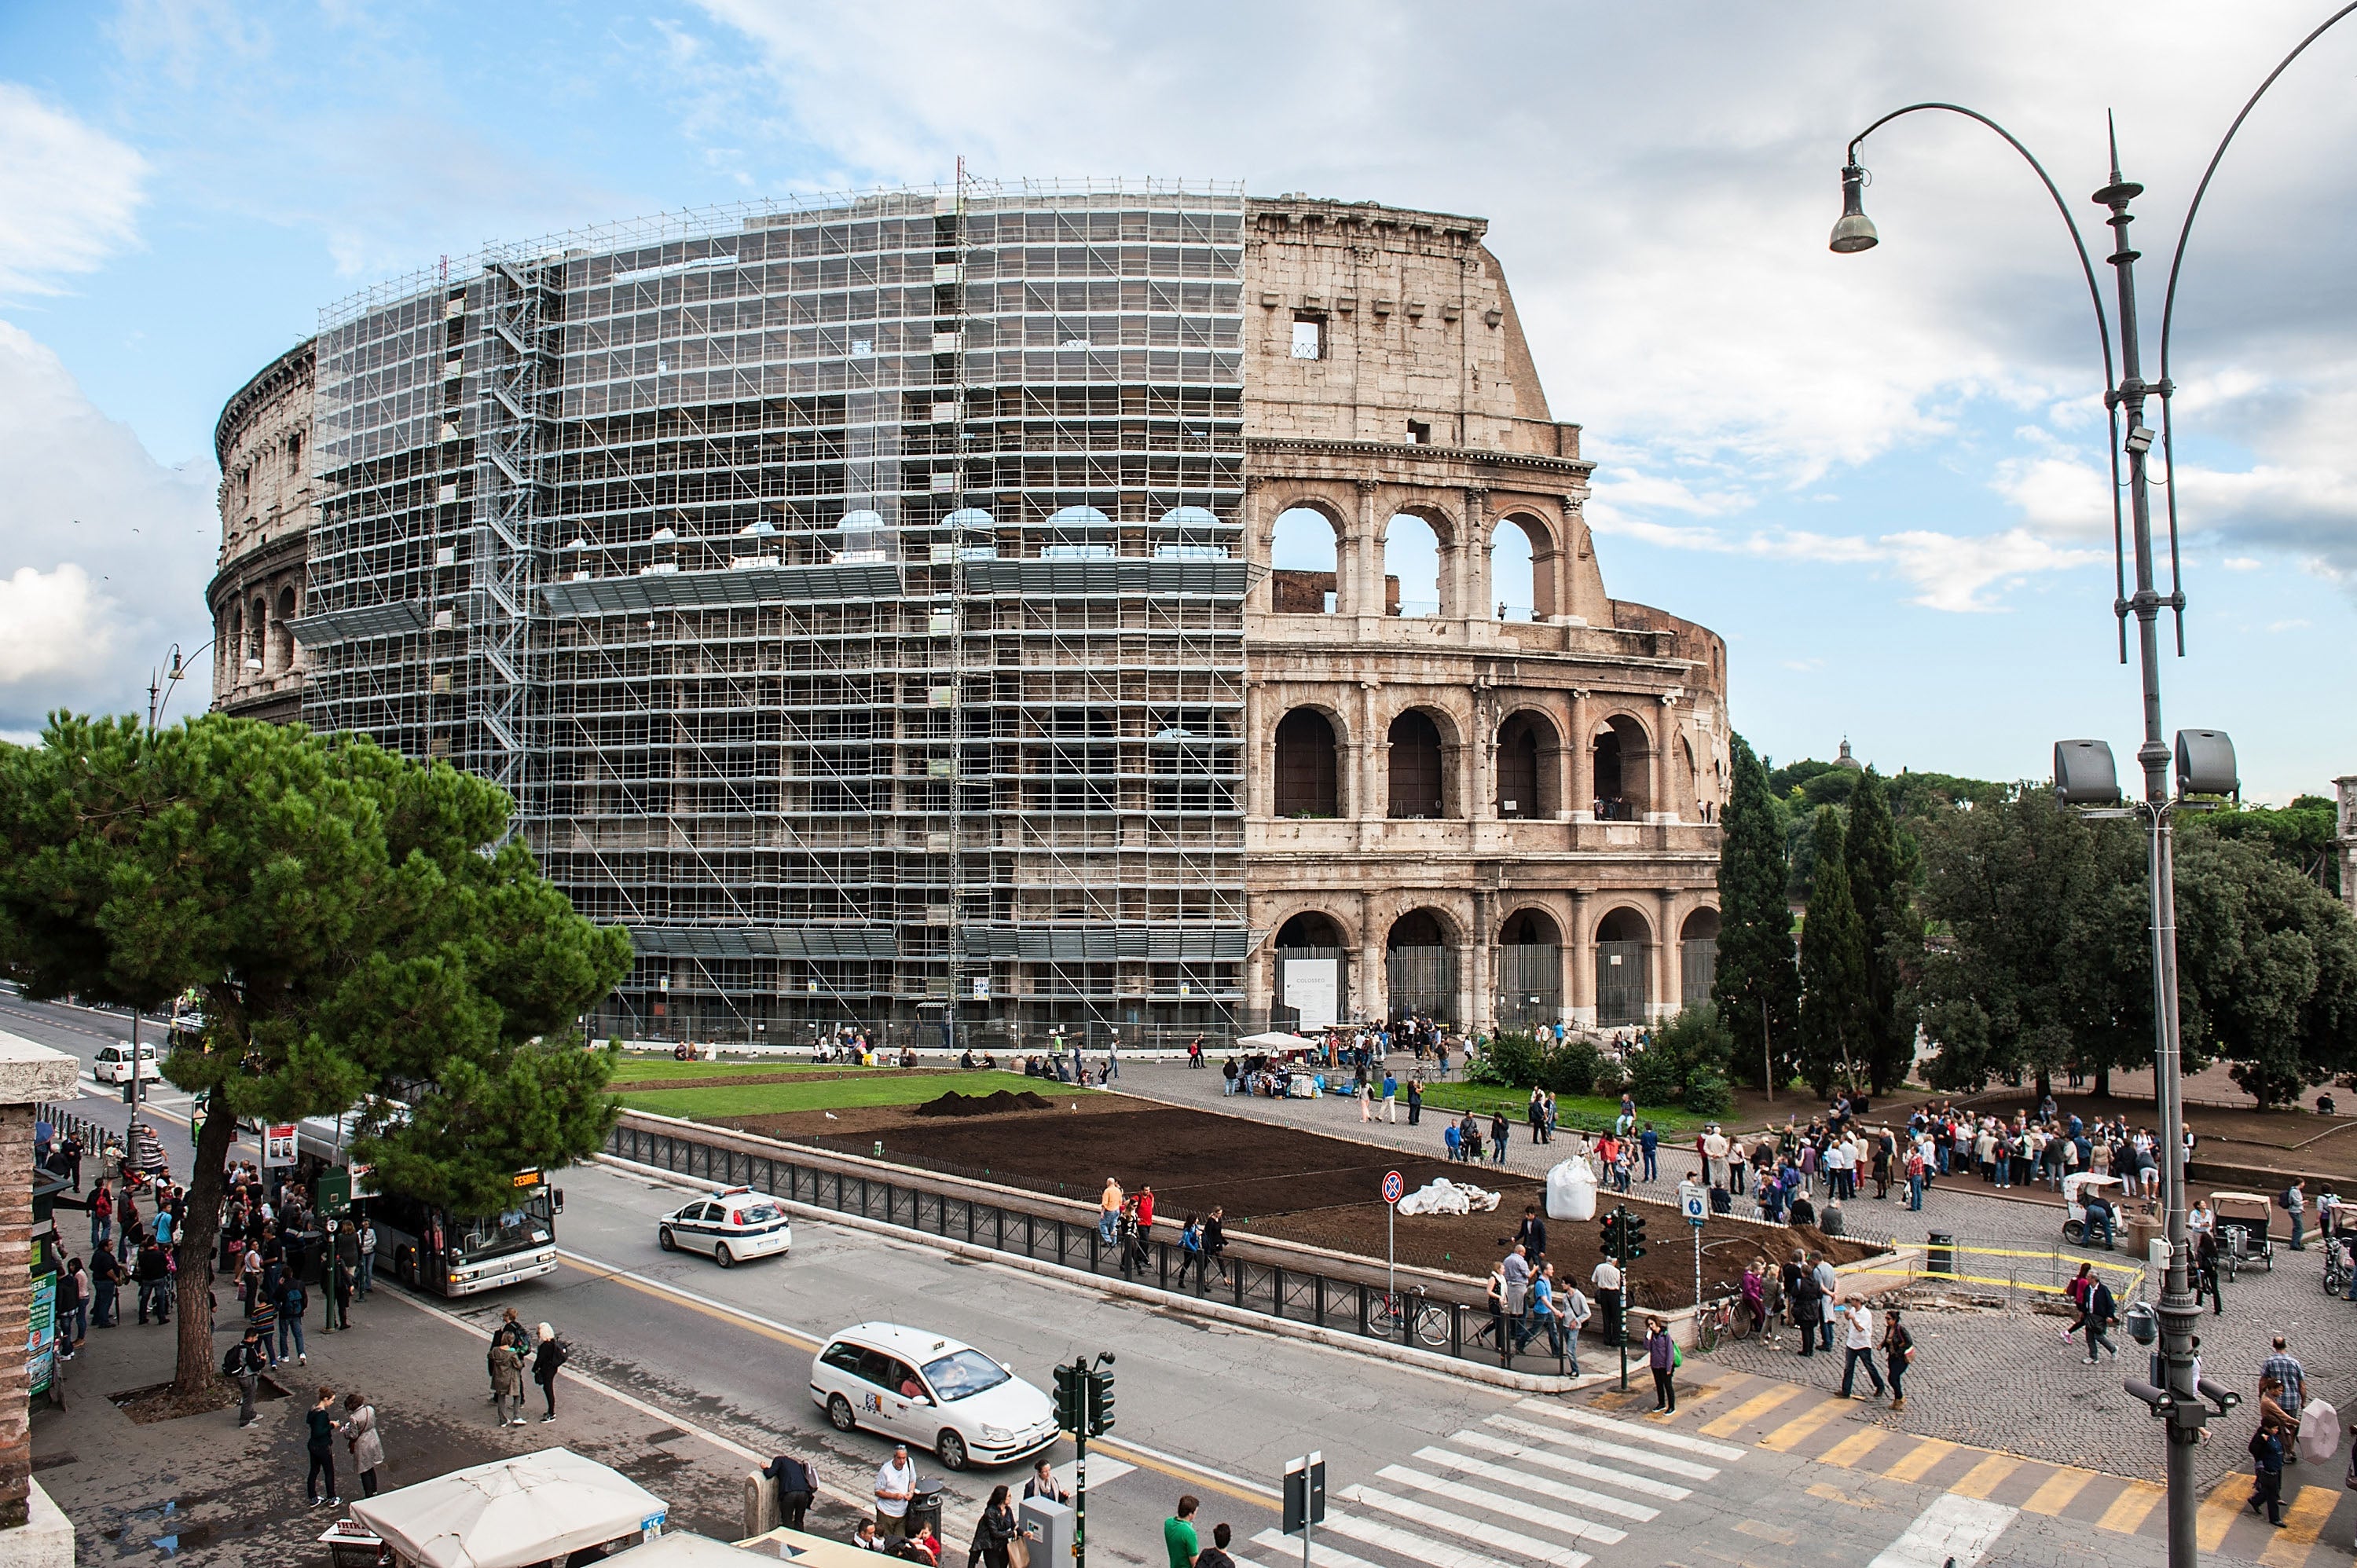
(1881, 476)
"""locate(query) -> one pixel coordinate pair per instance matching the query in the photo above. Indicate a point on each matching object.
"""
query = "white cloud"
(103, 550)
(69, 194)
(2242, 563)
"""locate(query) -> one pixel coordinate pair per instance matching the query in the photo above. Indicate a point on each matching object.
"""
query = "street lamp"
(2085, 774)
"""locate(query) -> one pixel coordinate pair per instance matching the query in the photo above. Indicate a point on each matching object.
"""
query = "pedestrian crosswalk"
(1537, 1483)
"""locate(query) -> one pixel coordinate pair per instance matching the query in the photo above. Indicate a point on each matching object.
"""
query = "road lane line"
(1801, 1427)
(1954, 1531)
(1919, 1461)
(1986, 1477)
(2057, 1491)
(1645, 1486)
(2303, 1522)
(1853, 1448)
(787, 1332)
(1572, 1525)
(1644, 1434)
(1584, 1444)
(1542, 1485)
(1750, 1411)
(2128, 1510)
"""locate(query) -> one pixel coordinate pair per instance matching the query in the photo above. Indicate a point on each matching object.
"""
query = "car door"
(103, 1069)
(707, 1227)
(896, 1413)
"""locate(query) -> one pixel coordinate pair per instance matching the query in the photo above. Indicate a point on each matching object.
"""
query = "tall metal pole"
(2179, 1312)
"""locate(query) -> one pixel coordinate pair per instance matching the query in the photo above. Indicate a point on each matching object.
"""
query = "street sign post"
(1304, 1492)
(1394, 1187)
(1697, 1207)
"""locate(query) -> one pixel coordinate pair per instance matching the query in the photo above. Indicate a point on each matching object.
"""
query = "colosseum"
(997, 608)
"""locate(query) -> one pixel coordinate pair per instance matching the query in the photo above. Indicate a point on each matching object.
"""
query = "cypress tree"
(1884, 913)
(1833, 968)
(1756, 989)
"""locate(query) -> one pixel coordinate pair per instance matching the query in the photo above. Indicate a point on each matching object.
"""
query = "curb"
(1170, 1301)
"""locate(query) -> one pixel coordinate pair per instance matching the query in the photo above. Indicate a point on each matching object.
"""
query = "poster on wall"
(41, 1334)
(1313, 987)
(279, 1146)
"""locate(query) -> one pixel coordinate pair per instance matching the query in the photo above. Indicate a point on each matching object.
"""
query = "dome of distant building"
(1846, 760)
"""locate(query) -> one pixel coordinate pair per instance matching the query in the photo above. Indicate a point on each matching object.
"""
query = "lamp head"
(1856, 229)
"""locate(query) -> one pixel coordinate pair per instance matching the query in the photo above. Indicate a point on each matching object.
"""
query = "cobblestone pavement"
(1998, 1379)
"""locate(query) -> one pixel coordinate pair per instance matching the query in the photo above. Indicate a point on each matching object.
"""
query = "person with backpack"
(244, 1364)
(2266, 1450)
(293, 1301)
(547, 1359)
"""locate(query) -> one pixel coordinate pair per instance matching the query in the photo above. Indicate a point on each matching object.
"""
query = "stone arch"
(1622, 756)
(1420, 964)
(1523, 560)
(1415, 567)
(282, 627)
(1321, 942)
(1527, 970)
(1309, 763)
(1304, 557)
(1528, 775)
(1624, 967)
(1697, 955)
(1420, 749)
(257, 626)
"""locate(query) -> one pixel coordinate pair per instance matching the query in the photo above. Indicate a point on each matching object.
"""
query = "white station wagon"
(930, 1393)
(732, 1225)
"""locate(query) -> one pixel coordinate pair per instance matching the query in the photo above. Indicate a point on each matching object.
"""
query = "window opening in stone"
(1301, 558)
(1411, 568)
(1306, 772)
(1512, 578)
(1416, 766)
(1309, 338)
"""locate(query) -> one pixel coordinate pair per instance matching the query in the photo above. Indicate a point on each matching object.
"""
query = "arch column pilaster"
(1581, 807)
(1366, 559)
(1369, 997)
(1477, 1005)
(1670, 961)
(1579, 953)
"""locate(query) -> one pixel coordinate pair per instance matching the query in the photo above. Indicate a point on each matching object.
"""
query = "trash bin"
(925, 1508)
(1942, 1258)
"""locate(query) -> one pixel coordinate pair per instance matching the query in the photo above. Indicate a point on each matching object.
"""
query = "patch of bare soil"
(160, 1401)
(905, 1134)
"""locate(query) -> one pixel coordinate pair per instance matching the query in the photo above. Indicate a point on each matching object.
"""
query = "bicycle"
(1429, 1320)
(1726, 1318)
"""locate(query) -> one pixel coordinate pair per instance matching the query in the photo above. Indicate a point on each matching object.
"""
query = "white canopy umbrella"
(1278, 1042)
(511, 1512)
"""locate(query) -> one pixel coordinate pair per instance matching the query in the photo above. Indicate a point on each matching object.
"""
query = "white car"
(732, 1225)
(114, 1064)
(930, 1393)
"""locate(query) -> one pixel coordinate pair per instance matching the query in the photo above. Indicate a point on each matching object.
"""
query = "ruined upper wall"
(1416, 334)
(266, 485)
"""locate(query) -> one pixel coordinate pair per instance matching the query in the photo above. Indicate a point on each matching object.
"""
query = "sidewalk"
(201, 1491)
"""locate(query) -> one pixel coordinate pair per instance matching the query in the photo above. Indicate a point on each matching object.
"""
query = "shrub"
(1708, 1094)
(1513, 1061)
(1655, 1075)
(1572, 1068)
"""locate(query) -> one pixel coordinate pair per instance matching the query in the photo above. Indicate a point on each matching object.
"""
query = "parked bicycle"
(1726, 1318)
(1429, 1320)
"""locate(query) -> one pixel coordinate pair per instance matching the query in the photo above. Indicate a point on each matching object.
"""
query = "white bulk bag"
(1571, 1191)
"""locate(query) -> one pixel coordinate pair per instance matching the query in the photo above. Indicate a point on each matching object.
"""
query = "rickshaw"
(2242, 1228)
(2075, 1191)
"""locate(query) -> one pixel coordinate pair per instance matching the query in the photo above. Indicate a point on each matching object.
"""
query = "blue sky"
(1881, 477)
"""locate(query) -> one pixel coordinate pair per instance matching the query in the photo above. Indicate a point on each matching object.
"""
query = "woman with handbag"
(1898, 1352)
(996, 1537)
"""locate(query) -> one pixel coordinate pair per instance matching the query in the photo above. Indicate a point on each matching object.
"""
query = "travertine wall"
(262, 440)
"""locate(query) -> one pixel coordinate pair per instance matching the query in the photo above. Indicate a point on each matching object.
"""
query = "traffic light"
(1612, 1234)
(1100, 1388)
(1070, 1394)
(1632, 1237)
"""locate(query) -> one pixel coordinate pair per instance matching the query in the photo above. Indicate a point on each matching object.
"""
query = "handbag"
(1019, 1552)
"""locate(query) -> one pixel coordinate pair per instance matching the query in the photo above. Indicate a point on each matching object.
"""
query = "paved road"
(1425, 1472)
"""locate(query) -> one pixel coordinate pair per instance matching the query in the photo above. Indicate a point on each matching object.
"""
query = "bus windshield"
(530, 1223)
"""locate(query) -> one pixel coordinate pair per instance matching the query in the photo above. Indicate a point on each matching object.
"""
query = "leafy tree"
(1884, 904)
(1572, 1068)
(1835, 1019)
(1757, 990)
(1690, 1048)
(2302, 836)
(353, 934)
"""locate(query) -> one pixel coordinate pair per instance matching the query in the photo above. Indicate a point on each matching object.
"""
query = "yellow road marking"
(2218, 1510)
(1833, 1494)
(1801, 1428)
(1986, 1477)
(2302, 1523)
(1920, 1459)
(2128, 1510)
(1853, 1448)
(614, 1276)
(2054, 1494)
(1751, 1409)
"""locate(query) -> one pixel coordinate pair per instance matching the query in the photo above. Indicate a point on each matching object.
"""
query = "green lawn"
(655, 1069)
(1588, 1110)
(831, 1094)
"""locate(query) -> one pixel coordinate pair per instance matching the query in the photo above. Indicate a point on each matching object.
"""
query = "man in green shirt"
(1179, 1534)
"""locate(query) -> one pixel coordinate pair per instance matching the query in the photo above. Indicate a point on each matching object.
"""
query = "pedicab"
(2244, 1238)
(2076, 1189)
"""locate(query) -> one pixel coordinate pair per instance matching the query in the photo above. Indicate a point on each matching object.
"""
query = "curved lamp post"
(2084, 770)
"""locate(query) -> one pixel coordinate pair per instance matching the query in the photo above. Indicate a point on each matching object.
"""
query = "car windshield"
(756, 1214)
(964, 1372)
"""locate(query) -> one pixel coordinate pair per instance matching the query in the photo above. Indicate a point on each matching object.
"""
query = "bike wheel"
(1382, 1320)
(1432, 1325)
(1739, 1324)
(1705, 1334)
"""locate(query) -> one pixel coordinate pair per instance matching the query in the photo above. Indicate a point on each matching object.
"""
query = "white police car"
(732, 1225)
(930, 1393)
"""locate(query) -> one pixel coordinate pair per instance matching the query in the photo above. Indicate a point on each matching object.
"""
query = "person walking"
(1215, 1240)
(506, 1365)
(1897, 1352)
(1663, 1357)
(320, 1422)
(2285, 1367)
(361, 1442)
(365, 1280)
(994, 1532)
(547, 1359)
(1498, 1137)
(1391, 1097)
(1043, 1484)
(2266, 1450)
(1216, 1554)
(244, 1364)
(895, 1487)
(1858, 1343)
(2099, 1313)
(1109, 1205)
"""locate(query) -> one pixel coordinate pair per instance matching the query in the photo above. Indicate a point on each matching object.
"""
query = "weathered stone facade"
(263, 441)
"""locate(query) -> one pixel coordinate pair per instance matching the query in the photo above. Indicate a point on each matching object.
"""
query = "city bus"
(425, 1245)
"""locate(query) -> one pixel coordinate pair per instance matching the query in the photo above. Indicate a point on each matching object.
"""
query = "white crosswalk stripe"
(1407, 1543)
(1597, 1446)
(1644, 1485)
(1678, 1440)
(1488, 1535)
(1571, 1525)
(1541, 1485)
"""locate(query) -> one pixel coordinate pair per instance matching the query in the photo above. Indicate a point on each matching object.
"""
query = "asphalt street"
(1425, 1471)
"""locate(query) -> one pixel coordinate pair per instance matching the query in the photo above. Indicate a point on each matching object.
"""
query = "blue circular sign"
(1393, 1186)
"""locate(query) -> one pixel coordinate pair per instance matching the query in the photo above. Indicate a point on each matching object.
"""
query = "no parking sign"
(1393, 1186)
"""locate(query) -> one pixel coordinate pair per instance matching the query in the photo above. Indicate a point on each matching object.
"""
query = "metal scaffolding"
(851, 594)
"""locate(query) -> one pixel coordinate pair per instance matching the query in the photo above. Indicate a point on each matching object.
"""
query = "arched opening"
(1619, 759)
(1526, 764)
(1623, 984)
(1302, 557)
(257, 624)
(1697, 957)
(1417, 767)
(1420, 968)
(1313, 966)
(1513, 582)
(1411, 568)
(1529, 971)
(1307, 771)
(283, 629)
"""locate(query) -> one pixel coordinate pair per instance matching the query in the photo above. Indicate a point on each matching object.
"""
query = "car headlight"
(996, 1434)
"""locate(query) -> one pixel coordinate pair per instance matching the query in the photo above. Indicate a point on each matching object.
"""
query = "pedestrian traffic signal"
(1100, 1391)
(1071, 1397)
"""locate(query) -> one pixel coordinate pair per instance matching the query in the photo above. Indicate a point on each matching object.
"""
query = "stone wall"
(262, 440)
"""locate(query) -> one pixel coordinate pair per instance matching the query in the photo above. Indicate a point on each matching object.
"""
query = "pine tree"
(1757, 990)
(1833, 968)
(1877, 887)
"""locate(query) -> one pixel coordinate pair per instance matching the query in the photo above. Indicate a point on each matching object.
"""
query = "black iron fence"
(1410, 1317)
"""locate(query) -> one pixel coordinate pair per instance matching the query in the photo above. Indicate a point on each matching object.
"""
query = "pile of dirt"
(957, 1105)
